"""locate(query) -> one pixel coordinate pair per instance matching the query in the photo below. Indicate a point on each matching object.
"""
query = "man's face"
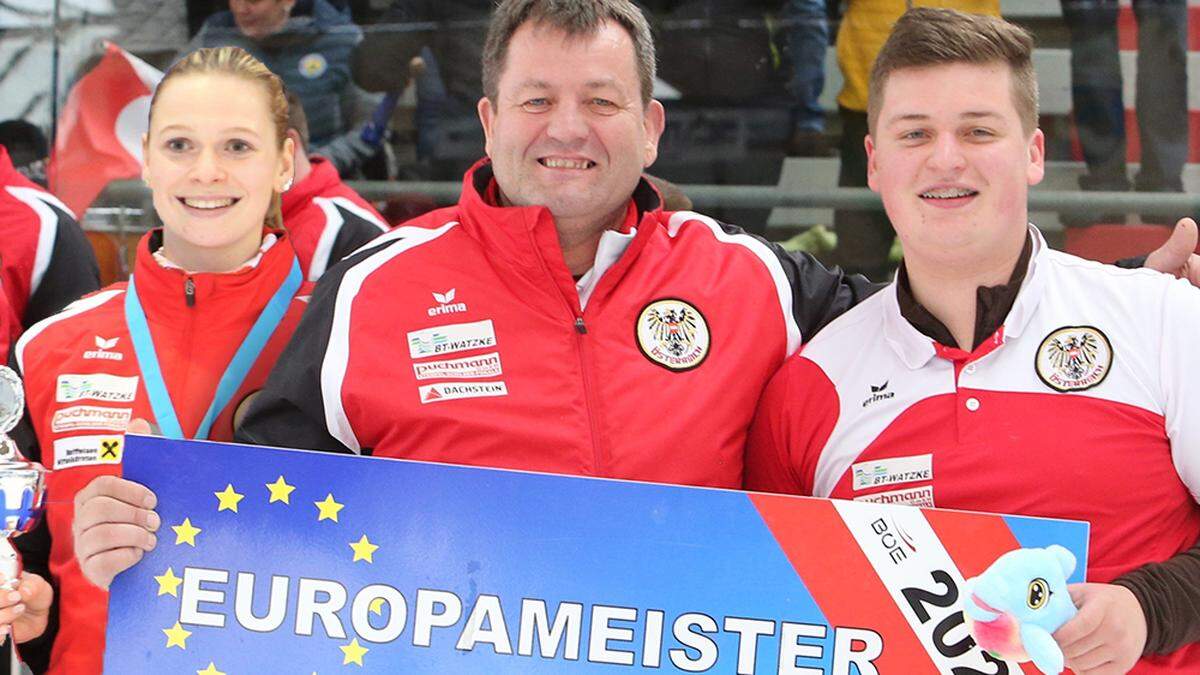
(259, 18)
(568, 129)
(952, 163)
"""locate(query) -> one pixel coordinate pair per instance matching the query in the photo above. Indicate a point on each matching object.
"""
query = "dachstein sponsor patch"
(74, 451)
(96, 386)
(487, 365)
(918, 496)
(455, 337)
(90, 417)
(446, 391)
(878, 472)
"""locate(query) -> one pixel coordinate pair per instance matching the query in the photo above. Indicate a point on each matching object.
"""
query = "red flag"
(100, 128)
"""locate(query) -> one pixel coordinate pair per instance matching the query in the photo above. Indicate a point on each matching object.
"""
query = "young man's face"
(952, 163)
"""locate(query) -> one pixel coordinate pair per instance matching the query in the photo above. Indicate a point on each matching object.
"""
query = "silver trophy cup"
(22, 484)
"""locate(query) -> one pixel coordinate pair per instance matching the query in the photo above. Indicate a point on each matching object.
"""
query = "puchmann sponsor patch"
(96, 386)
(455, 337)
(878, 472)
(448, 391)
(487, 365)
(74, 451)
(918, 496)
(90, 417)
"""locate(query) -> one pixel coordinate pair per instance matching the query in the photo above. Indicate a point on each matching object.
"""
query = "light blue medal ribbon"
(235, 373)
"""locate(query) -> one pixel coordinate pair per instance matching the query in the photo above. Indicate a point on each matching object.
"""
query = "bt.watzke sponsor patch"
(96, 386)
(892, 471)
(455, 337)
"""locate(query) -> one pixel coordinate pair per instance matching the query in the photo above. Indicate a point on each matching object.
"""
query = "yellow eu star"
(328, 508)
(353, 653)
(280, 491)
(363, 549)
(177, 636)
(227, 499)
(185, 533)
(168, 584)
(210, 670)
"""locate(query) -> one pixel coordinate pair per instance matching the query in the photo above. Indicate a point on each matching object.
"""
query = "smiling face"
(568, 129)
(953, 164)
(212, 161)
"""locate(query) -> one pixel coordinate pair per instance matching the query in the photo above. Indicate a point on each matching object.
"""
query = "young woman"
(210, 304)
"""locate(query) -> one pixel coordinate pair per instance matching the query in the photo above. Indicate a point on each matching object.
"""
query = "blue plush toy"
(1016, 604)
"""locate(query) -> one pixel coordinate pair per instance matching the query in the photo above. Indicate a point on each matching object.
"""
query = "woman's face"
(212, 161)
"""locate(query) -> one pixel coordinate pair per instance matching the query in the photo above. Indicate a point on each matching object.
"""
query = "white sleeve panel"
(1180, 372)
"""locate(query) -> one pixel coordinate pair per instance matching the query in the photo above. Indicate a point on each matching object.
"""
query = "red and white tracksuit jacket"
(1083, 405)
(83, 385)
(462, 337)
(326, 220)
(45, 259)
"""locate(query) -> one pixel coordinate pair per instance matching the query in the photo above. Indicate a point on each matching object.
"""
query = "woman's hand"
(25, 611)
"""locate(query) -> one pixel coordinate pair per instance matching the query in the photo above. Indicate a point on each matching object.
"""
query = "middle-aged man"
(556, 319)
(996, 374)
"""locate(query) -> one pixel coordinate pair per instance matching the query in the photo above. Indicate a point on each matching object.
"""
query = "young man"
(998, 374)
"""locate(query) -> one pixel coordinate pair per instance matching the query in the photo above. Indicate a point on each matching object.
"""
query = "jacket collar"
(319, 181)
(229, 298)
(915, 349)
(525, 237)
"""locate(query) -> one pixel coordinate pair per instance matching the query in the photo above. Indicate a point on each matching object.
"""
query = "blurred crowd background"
(758, 92)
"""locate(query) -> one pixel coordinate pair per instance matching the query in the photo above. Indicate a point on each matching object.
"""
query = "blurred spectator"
(865, 237)
(310, 48)
(730, 122)
(28, 149)
(325, 218)
(45, 259)
(1096, 92)
(806, 29)
(436, 43)
(720, 51)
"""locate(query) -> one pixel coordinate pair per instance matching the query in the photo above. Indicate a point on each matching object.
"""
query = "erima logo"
(878, 393)
(446, 304)
(102, 347)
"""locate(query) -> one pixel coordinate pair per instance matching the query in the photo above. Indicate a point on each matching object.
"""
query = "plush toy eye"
(1039, 594)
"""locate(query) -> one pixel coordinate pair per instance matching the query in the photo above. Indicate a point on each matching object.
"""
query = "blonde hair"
(237, 62)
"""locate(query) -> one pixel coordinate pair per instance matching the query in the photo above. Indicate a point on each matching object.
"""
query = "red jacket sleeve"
(795, 417)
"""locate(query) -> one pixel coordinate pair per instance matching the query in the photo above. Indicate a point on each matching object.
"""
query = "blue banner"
(283, 561)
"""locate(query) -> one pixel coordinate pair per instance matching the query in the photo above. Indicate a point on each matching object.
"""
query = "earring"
(288, 185)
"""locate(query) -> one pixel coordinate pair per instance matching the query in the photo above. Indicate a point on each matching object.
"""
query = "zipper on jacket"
(589, 394)
(189, 292)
